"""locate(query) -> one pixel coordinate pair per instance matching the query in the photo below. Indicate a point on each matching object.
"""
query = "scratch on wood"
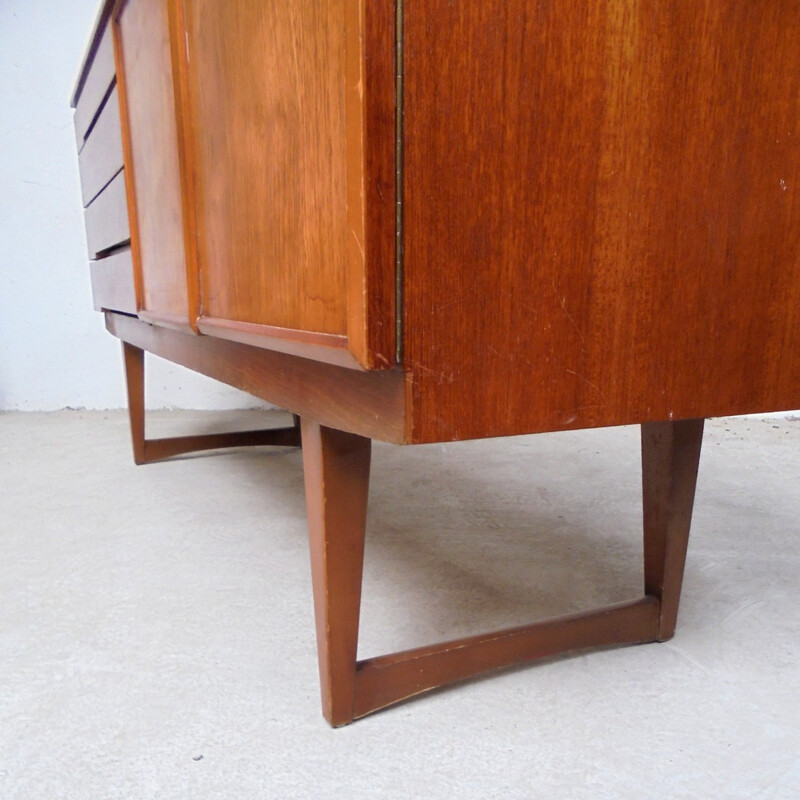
(588, 382)
(441, 377)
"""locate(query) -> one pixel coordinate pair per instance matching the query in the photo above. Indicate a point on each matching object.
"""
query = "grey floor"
(156, 629)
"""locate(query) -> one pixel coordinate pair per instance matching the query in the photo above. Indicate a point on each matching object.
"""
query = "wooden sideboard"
(419, 221)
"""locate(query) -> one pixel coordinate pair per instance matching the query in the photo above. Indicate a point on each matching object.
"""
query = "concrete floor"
(157, 640)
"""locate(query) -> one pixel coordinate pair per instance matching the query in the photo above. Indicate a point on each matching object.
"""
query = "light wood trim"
(144, 44)
(386, 680)
(186, 159)
(107, 218)
(356, 267)
(371, 186)
(328, 347)
(101, 158)
(112, 282)
(127, 153)
(176, 322)
(370, 404)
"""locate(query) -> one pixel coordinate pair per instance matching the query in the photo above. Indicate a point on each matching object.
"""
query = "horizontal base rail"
(159, 449)
(383, 681)
(337, 479)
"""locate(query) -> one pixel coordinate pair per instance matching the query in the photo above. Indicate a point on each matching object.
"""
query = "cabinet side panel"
(602, 212)
(144, 42)
(267, 112)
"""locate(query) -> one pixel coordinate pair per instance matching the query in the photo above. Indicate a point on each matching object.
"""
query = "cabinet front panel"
(602, 212)
(267, 117)
(149, 103)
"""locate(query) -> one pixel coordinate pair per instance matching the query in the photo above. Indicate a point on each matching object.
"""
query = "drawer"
(107, 223)
(101, 157)
(113, 287)
(95, 88)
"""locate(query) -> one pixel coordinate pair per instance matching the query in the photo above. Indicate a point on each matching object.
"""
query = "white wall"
(54, 351)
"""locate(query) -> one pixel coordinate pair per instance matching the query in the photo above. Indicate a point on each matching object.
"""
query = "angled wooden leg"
(147, 450)
(336, 467)
(670, 456)
(337, 476)
(134, 378)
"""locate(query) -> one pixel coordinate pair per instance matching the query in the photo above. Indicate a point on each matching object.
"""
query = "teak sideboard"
(420, 221)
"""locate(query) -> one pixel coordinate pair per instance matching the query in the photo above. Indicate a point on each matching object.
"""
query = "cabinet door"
(267, 96)
(280, 146)
(153, 156)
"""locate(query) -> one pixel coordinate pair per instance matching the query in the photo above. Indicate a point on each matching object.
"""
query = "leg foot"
(670, 456)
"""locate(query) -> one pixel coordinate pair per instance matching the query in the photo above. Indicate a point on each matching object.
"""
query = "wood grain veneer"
(150, 131)
(602, 212)
(266, 94)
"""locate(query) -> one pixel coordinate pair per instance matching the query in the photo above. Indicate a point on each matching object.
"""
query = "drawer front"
(107, 223)
(95, 89)
(101, 157)
(98, 135)
(112, 282)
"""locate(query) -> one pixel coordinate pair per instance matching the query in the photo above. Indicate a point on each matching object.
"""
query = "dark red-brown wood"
(602, 212)
(371, 404)
(336, 467)
(600, 225)
(386, 680)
